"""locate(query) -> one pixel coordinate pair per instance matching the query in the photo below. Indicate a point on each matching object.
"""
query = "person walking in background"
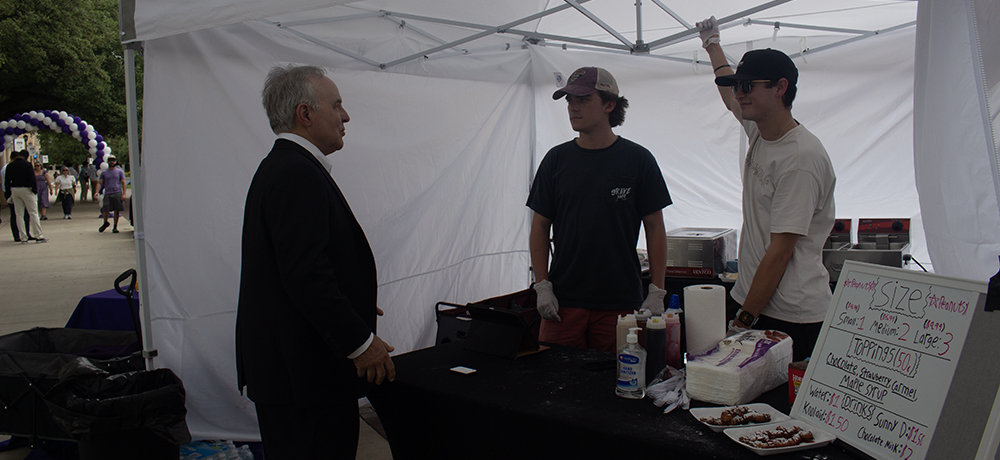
(66, 184)
(113, 183)
(72, 170)
(20, 181)
(84, 180)
(7, 198)
(44, 189)
(94, 177)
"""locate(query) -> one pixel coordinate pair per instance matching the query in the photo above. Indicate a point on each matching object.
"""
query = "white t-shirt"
(65, 182)
(788, 188)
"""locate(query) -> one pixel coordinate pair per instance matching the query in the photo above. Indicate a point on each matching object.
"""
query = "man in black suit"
(305, 328)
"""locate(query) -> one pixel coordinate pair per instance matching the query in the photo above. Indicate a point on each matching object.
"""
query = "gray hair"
(284, 89)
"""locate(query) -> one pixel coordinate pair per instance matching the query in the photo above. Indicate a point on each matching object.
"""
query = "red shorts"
(583, 328)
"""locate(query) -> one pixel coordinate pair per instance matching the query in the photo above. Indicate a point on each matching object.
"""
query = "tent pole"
(593, 17)
(732, 17)
(533, 154)
(676, 17)
(638, 24)
(135, 162)
(984, 100)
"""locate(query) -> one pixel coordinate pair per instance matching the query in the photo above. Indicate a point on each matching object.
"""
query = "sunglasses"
(747, 85)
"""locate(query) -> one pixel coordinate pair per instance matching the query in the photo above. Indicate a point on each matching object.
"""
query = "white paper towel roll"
(704, 317)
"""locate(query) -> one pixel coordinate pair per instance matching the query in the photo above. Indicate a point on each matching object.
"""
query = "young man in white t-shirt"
(788, 206)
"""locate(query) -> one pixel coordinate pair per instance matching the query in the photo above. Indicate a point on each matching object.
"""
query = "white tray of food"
(779, 438)
(720, 418)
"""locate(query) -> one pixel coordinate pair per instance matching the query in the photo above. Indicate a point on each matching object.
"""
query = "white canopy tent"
(451, 110)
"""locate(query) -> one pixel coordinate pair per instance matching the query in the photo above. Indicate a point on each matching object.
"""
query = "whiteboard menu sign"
(882, 367)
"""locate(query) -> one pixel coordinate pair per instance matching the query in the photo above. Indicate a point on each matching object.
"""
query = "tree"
(65, 55)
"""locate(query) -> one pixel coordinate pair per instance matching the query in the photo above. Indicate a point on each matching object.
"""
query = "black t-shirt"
(596, 200)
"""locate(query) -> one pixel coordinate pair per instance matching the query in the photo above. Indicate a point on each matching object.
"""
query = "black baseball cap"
(767, 64)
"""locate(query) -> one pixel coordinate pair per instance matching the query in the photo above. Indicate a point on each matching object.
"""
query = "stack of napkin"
(740, 368)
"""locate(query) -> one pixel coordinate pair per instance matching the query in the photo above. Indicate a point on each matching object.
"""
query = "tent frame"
(639, 47)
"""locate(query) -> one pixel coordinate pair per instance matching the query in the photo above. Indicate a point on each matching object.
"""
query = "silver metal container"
(699, 252)
(882, 241)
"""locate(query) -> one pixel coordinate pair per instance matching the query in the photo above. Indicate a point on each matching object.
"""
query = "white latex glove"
(654, 300)
(548, 305)
(708, 30)
(733, 329)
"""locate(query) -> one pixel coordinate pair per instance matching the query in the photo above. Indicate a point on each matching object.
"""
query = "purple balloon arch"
(58, 122)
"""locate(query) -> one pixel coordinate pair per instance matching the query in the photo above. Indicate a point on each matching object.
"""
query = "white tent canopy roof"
(450, 27)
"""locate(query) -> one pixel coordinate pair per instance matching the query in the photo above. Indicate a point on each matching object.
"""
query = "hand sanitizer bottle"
(631, 368)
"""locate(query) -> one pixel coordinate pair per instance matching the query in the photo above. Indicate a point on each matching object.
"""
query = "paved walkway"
(43, 282)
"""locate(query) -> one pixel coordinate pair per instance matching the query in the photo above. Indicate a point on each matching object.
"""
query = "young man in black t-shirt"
(593, 193)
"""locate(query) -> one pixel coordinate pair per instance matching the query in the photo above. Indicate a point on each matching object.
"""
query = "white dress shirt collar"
(323, 160)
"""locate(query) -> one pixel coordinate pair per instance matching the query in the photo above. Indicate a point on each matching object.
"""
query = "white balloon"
(107, 149)
(93, 145)
(32, 114)
(21, 124)
(74, 127)
(104, 166)
(3, 125)
(93, 151)
(63, 114)
(39, 116)
(91, 134)
(76, 134)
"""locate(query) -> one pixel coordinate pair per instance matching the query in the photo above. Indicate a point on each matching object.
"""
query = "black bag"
(31, 361)
(130, 415)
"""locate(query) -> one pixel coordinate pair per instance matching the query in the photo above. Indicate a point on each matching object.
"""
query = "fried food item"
(739, 415)
(778, 437)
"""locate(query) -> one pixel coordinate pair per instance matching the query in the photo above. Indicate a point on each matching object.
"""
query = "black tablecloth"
(106, 310)
(546, 405)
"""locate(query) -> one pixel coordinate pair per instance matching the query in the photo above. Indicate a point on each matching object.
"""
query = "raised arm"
(709, 32)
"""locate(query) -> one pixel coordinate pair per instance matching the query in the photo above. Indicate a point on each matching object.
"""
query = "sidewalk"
(43, 282)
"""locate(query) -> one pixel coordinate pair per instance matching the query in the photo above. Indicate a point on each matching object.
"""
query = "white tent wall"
(955, 175)
(430, 168)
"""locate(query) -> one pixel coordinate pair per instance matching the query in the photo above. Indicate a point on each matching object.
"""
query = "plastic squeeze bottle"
(624, 323)
(631, 368)
(641, 316)
(672, 323)
(656, 346)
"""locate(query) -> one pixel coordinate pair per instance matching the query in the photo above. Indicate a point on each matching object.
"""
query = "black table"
(545, 405)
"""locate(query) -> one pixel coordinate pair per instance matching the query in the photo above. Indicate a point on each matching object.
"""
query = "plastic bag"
(88, 400)
(668, 389)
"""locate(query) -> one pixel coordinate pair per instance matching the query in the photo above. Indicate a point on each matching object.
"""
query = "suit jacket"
(308, 285)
